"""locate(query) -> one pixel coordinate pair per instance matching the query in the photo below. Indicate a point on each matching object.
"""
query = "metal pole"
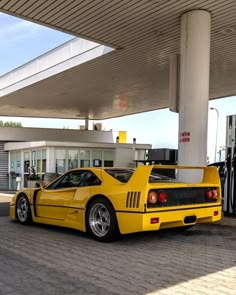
(86, 124)
(217, 113)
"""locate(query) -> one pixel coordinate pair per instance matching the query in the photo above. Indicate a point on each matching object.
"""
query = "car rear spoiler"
(210, 173)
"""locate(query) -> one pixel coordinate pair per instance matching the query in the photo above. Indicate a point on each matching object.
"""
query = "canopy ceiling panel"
(135, 76)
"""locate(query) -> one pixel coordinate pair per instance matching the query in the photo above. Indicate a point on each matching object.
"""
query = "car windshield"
(123, 175)
(162, 175)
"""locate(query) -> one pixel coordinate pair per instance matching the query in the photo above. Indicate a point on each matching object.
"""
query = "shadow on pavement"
(4, 209)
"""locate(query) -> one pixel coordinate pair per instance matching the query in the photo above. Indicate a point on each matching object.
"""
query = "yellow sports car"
(108, 202)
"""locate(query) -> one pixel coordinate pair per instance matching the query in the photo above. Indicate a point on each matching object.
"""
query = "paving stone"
(48, 260)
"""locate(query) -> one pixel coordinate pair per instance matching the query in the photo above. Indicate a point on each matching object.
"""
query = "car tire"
(23, 212)
(101, 221)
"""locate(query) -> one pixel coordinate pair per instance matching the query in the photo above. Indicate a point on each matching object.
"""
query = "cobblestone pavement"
(4, 209)
(40, 259)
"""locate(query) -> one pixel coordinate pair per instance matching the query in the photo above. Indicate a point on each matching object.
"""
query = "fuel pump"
(233, 196)
(227, 182)
(229, 199)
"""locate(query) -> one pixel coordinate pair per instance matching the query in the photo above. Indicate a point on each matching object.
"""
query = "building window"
(97, 158)
(72, 159)
(15, 168)
(60, 161)
(15, 162)
(44, 161)
(40, 161)
(109, 158)
(26, 162)
(84, 158)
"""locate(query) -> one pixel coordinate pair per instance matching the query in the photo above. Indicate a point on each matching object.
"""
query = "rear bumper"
(130, 222)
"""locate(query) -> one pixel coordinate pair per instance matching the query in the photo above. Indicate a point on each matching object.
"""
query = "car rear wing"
(207, 174)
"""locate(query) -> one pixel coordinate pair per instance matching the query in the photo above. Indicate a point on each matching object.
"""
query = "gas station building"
(51, 152)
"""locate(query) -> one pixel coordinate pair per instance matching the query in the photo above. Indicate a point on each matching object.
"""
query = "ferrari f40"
(110, 202)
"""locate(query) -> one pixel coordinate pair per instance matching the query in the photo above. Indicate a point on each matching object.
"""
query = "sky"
(22, 41)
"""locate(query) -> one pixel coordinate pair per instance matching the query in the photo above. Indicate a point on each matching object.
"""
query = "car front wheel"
(23, 212)
(101, 221)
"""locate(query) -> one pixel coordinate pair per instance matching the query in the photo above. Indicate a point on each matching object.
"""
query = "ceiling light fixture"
(228, 31)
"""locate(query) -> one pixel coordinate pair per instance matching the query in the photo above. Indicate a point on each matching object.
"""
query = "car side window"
(71, 179)
(90, 179)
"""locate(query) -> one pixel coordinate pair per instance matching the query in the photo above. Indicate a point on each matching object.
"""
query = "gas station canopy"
(132, 78)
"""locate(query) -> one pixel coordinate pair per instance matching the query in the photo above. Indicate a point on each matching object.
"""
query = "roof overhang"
(132, 78)
(13, 146)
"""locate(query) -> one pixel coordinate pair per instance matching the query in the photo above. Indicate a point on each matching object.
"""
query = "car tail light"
(212, 194)
(216, 213)
(152, 197)
(162, 197)
(209, 194)
(215, 194)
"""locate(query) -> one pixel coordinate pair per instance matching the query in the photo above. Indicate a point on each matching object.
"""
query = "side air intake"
(133, 199)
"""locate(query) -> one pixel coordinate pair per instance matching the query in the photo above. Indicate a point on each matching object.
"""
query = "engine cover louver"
(133, 199)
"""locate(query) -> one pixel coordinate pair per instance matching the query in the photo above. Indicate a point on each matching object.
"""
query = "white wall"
(39, 134)
(124, 157)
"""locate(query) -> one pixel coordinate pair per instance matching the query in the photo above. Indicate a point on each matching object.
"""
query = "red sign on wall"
(184, 136)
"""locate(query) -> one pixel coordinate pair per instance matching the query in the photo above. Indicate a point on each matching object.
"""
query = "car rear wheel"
(23, 212)
(101, 221)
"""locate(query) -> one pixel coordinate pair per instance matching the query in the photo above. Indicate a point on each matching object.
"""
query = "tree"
(10, 124)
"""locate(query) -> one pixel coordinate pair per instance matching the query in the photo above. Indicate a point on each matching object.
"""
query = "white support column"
(50, 160)
(86, 124)
(194, 87)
